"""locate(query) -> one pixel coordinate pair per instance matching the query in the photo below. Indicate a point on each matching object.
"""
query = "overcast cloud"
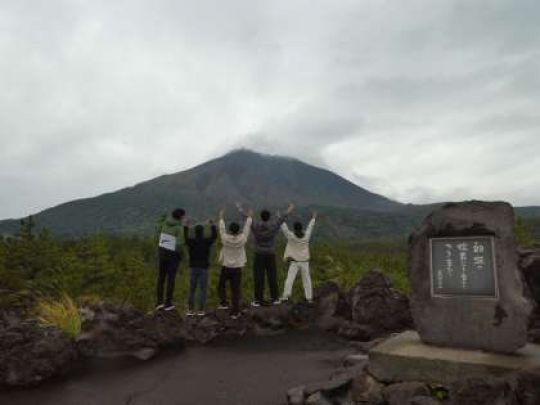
(419, 100)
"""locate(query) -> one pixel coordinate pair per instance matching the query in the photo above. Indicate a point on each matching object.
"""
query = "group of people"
(176, 231)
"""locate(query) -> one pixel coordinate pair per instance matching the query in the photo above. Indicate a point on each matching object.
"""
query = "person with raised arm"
(199, 248)
(264, 262)
(298, 255)
(232, 258)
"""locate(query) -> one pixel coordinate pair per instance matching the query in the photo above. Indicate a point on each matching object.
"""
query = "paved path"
(251, 371)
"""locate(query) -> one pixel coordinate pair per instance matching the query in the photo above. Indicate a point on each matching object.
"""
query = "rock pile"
(355, 385)
(30, 353)
(115, 331)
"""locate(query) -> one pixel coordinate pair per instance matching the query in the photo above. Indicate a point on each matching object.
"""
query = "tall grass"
(62, 313)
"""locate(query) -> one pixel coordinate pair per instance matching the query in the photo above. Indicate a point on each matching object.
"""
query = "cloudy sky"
(419, 100)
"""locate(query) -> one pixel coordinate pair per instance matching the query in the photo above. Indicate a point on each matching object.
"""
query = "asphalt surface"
(251, 371)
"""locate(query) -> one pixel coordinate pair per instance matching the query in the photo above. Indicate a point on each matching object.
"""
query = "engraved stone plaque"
(463, 267)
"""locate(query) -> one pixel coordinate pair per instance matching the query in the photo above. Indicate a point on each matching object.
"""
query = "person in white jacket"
(297, 253)
(232, 258)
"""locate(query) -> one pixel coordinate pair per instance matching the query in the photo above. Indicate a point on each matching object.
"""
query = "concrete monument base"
(405, 357)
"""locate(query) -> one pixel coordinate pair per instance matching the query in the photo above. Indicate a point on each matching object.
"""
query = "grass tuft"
(62, 313)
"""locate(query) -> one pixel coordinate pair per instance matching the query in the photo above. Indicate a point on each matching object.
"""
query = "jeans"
(265, 263)
(303, 267)
(168, 266)
(234, 277)
(198, 278)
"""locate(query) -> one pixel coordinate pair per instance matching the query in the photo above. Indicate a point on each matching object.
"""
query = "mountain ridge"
(255, 179)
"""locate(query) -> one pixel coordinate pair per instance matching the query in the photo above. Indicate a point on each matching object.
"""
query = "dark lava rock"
(483, 391)
(115, 331)
(354, 331)
(330, 301)
(530, 266)
(30, 353)
(424, 400)
(527, 386)
(403, 393)
(365, 389)
(491, 324)
(378, 307)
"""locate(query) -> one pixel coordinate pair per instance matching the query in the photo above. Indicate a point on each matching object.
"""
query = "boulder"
(403, 393)
(377, 307)
(485, 390)
(526, 385)
(365, 389)
(31, 354)
(530, 266)
(529, 263)
(494, 319)
(330, 301)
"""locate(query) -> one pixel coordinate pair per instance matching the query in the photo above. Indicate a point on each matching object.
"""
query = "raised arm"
(310, 226)
(222, 230)
(247, 228)
(280, 219)
(285, 230)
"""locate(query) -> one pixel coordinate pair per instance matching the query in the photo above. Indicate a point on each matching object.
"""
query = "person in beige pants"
(297, 253)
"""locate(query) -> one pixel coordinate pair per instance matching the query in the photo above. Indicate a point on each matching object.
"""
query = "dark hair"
(199, 231)
(178, 213)
(265, 215)
(234, 228)
(298, 229)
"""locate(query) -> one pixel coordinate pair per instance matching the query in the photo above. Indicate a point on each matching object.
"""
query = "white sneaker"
(201, 313)
(223, 307)
(190, 313)
(255, 304)
(169, 308)
(235, 316)
(160, 307)
(276, 302)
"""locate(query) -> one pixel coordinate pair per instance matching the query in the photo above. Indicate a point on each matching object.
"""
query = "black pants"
(234, 276)
(265, 263)
(168, 265)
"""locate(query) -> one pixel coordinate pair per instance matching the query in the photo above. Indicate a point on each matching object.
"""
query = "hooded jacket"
(199, 247)
(233, 252)
(297, 248)
(265, 232)
(170, 234)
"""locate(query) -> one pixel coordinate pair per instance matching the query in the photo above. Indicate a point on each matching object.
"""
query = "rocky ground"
(218, 360)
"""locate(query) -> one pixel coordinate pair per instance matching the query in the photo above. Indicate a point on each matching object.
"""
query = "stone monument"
(466, 287)
(467, 299)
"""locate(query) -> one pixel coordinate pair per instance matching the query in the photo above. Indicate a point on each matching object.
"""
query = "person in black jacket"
(199, 248)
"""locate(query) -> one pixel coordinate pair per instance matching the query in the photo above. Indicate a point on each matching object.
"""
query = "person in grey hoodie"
(264, 263)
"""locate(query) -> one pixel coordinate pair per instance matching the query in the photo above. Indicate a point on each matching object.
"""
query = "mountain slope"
(255, 179)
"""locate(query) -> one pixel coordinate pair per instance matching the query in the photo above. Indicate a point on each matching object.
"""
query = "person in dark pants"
(264, 262)
(233, 258)
(199, 248)
(170, 255)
